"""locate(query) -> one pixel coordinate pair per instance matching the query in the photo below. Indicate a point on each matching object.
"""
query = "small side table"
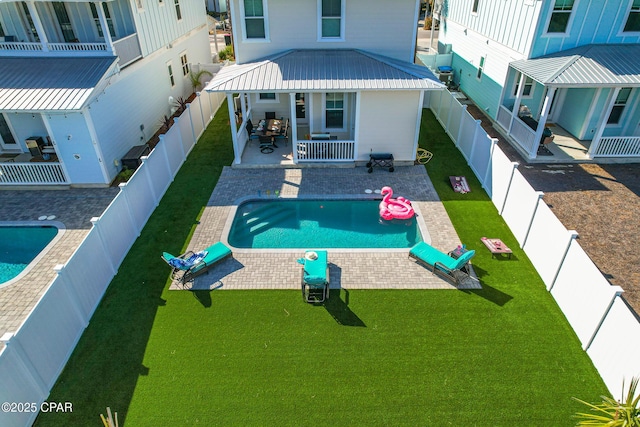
(457, 253)
(496, 246)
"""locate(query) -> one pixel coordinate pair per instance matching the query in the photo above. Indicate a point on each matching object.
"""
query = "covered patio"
(338, 106)
(587, 97)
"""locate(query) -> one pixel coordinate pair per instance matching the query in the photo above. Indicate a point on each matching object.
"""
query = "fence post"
(573, 235)
(128, 203)
(514, 166)
(11, 341)
(204, 125)
(494, 143)
(604, 316)
(147, 173)
(96, 226)
(476, 133)
(182, 150)
(540, 195)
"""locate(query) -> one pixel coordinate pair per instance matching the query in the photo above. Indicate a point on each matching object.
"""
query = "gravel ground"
(600, 202)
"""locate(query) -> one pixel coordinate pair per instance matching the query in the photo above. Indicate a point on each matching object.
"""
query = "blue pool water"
(19, 246)
(262, 224)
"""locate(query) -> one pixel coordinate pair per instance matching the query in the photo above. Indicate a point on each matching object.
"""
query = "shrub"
(226, 53)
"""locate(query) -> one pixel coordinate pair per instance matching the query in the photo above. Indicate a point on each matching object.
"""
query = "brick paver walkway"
(72, 207)
(349, 269)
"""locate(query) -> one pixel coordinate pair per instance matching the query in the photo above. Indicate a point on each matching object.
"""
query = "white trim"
(343, 10)
(95, 142)
(567, 30)
(265, 20)
(4, 145)
(622, 32)
(516, 82)
(622, 122)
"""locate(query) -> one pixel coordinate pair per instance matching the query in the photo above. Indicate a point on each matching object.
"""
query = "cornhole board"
(459, 184)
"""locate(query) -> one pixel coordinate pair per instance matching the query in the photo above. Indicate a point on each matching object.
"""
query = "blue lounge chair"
(189, 265)
(315, 276)
(441, 263)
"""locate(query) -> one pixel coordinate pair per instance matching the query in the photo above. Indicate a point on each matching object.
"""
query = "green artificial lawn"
(500, 356)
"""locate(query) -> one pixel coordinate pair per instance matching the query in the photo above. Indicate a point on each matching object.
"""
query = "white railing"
(594, 309)
(326, 151)
(31, 173)
(435, 60)
(21, 47)
(77, 47)
(523, 135)
(618, 146)
(127, 49)
(37, 352)
(504, 118)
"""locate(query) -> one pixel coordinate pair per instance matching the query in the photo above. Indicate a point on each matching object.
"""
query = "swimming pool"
(21, 246)
(296, 224)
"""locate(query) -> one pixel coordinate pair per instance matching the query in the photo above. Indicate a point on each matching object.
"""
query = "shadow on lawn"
(487, 292)
(339, 309)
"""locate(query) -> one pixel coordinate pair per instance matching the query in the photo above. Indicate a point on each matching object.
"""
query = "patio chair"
(267, 144)
(269, 115)
(251, 131)
(441, 263)
(315, 276)
(187, 266)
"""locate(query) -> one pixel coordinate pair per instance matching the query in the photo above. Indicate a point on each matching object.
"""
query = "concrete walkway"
(349, 269)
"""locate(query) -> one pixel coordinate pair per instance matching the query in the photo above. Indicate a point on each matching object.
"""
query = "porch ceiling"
(586, 66)
(51, 84)
(323, 70)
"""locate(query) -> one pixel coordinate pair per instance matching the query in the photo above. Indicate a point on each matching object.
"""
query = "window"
(107, 15)
(178, 12)
(32, 27)
(481, 67)
(64, 22)
(254, 19)
(618, 106)
(139, 4)
(633, 20)
(527, 92)
(331, 18)
(1, 30)
(560, 16)
(334, 111)
(170, 70)
(474, 8)
(267, 96)
(185, 64)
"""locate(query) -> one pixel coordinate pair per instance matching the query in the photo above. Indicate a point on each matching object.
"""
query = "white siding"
(157, 24)
(388, 124)
(139, 96)
(511, 23)
(381, 26)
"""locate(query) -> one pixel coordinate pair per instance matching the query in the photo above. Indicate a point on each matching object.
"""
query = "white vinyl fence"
(37, 352)
(607, 328)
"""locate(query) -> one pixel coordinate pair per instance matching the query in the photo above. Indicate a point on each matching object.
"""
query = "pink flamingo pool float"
(399, 208)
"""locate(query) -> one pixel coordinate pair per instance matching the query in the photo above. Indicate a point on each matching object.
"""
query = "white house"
(339, 73)
(74, 98)
(574, 65)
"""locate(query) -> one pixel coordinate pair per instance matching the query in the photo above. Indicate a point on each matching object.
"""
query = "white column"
(38, 24)
(234, 130)
(105, 27)
(294, 128)
(602, 123)
(516, 106)
(543, 120)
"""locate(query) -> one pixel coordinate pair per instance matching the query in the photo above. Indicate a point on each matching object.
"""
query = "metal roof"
(51, 84)
(586, 66)
(323, 70)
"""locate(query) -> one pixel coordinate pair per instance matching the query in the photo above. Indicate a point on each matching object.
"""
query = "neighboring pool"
(20, 246)
(296, 224)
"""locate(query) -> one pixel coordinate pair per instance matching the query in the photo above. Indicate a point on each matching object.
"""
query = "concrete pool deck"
(349, 269)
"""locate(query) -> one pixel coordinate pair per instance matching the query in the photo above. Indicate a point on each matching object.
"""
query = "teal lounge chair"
(441, 263)
(189, 265)
(315, 276)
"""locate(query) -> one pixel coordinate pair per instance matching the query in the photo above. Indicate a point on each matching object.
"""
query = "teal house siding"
(484, 92)
(572, 119)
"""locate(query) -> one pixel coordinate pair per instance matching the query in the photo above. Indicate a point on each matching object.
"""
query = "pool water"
(262, 224)
(19, 246)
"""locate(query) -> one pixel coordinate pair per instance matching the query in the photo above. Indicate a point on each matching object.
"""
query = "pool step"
(261, 219)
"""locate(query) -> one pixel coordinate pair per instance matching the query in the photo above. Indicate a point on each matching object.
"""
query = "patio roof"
(323, 70)
(51, 84)
(586, 66)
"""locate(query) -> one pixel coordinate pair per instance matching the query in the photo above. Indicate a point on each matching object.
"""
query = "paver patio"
(350, 269)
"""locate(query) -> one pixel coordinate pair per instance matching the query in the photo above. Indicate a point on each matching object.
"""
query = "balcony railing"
(618, 146)
(77, 47)
(32, 174)
(127, 49)
(326, 151)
